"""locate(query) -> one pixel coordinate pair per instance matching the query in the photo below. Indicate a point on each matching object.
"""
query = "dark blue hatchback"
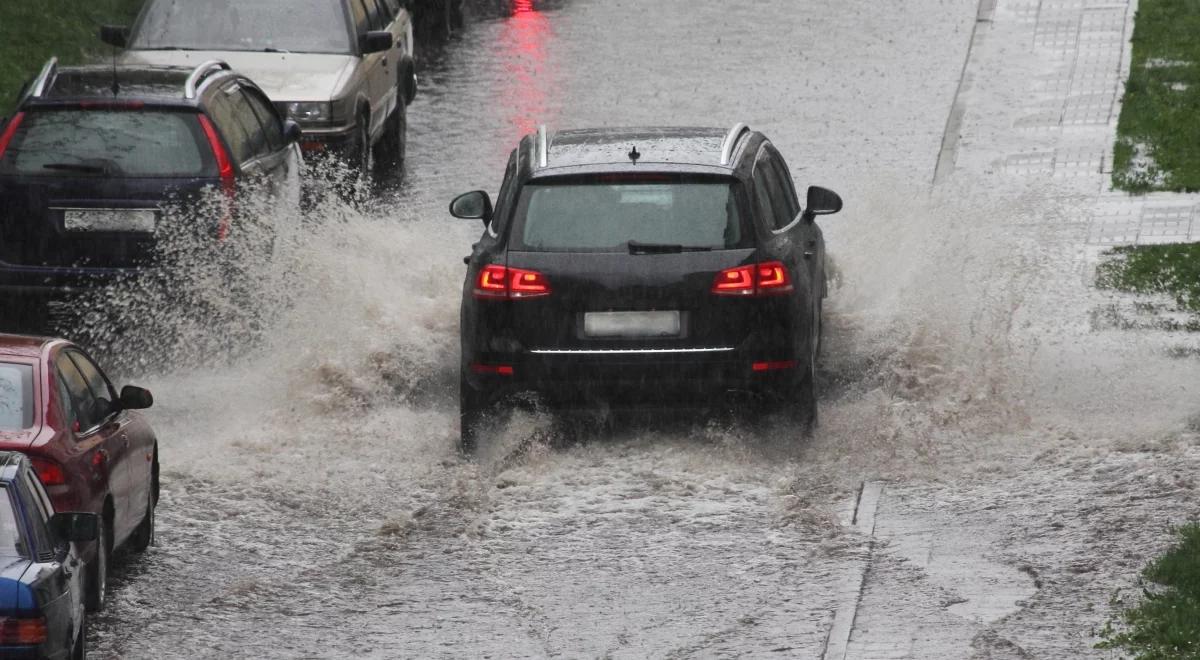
(41, 590)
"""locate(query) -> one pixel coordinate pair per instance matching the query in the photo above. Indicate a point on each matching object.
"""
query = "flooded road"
(313, 504)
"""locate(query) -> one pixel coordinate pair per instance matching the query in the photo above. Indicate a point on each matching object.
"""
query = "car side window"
(361, 21)
(256, 144)
(787, 190)
(504, 198)
(376, 16)
(763, 191)
(64, 400)
(224, 115)
(11, 533)
(81, 394)
(271, 126)
(102, 392)
(780, 215)
(37, 515)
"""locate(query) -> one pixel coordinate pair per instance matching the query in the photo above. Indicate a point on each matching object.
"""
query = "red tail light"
(48, 471)
(501, 282)
(493, 369)
(773, 366)
(10, 131)
(224, 168)
(22, 632)
(763, 279)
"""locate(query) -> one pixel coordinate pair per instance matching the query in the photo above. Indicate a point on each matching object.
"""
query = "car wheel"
(805, 405)
(79, 648)
(471, 415)
(143, 536)
(389, 153)
(97, 570)
(456, 19)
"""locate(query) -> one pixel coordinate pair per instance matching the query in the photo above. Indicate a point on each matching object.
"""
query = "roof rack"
(731, 140)
(543, 147)
(43, 79)
(194, 81)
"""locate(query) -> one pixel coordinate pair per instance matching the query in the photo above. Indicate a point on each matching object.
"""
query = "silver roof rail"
(731, 140)
(543, 147)
(43, 80)
(199, 74)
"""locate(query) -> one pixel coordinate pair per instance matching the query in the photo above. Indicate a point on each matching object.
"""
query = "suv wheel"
(471, 413)
(389, 153)
(96, 591)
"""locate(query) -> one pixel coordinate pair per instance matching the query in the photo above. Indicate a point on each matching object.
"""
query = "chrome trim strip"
(730, 141)
(198, 74)
(629, 351)
(43, 79)
(542, 147)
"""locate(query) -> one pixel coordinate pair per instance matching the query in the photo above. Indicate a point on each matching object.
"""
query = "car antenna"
(634, 155)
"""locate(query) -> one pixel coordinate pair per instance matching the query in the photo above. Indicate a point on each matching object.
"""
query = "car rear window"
(82, 142)
(16, 396)
(301, 26)
(604, 214)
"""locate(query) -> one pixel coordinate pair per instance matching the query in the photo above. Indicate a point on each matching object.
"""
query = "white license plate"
(631, 324)
(109, 220)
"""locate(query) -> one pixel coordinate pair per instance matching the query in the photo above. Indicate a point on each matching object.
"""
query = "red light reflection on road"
(525, 89)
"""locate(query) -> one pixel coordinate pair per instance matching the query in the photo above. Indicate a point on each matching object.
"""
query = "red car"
(91, 450)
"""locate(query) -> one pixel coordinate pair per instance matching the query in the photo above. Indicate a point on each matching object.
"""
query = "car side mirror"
(822, 201)
(292, 131)
(115, 35)
(136, 398)
(475, 205)
(375, 41)
(75, 527)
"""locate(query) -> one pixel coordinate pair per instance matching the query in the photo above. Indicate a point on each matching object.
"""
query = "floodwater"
(314, 506)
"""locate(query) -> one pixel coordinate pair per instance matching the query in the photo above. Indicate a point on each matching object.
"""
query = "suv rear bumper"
(315, 141)
(50, 281)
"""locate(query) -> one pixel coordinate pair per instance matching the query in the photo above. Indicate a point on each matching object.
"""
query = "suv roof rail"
(201, 72)
(43, 79)
(731, 140)
(543, 147)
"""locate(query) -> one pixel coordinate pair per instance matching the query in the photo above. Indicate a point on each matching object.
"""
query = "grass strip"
(1172, 269)
(1165, 625)
(31, 31)
(1158, 135)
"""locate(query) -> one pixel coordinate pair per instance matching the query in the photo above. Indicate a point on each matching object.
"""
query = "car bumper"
(315, 141)
(51, 281)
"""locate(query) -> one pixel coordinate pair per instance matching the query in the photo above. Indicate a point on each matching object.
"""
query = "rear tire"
(471, 416)
(97, 570)
(79, 648)
(143, 536)
(805, 407)
(389, 153)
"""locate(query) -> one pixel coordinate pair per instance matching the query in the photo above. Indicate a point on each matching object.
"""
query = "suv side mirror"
(136, 398)
(114, 35)
(375, 41)
(822, 201)
(291, 131)
(75, 527)
(475, 205)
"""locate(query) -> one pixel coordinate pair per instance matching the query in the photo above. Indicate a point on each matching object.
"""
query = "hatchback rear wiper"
(76, 167)
(663, 248)
(276, 50)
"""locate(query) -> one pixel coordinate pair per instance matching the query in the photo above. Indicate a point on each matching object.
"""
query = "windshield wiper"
(275, 50)
(170, 48)
(663, 248)
(76, 167)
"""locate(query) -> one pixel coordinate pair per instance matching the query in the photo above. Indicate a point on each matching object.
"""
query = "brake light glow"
(500, 282)
(225, 170)
(773, 366)
(763, 279)
(493, 369)
(50, 473)
(22, 632)
(10, 131)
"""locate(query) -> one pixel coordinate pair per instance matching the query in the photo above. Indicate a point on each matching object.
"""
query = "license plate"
(631, 324)
(109, 220)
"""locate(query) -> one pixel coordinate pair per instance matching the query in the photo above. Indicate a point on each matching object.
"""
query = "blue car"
(41, 590)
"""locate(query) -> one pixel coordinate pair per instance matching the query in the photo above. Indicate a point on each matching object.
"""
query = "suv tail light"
(10, 131)
(765, 279)
(503, 283)
(48, 471)
(225, 169)
(22, 632)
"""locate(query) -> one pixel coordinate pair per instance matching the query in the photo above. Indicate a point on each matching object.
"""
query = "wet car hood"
(283, 76)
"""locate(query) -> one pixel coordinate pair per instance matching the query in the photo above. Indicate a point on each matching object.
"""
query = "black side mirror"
(822, 201)
(115, 35)
(475, 205)
(136, 398)
(375, 41)
(291, 131)
(75, 527)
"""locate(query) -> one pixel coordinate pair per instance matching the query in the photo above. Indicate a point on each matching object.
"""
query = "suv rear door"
(381, 79)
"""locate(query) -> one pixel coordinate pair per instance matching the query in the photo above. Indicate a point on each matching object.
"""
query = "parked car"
(437, 16)
(42, 614)
(90, 447)
(93, 154)
(643, 266)
(343, 69)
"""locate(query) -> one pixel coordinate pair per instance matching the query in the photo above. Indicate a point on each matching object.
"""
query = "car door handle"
(808, 254)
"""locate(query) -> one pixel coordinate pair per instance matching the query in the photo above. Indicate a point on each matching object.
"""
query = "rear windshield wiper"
(663, 248)
(76, 167)
(276, 50)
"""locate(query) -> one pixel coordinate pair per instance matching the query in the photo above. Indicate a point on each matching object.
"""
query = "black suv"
(93, 154)
(636, 266)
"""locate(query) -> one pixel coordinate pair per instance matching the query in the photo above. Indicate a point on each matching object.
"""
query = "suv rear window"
(603, 214)
(75, 142)
(16, 396)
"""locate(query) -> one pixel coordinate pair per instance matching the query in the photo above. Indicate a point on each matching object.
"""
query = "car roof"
(156, 84)
(23, 345)
(682, 149)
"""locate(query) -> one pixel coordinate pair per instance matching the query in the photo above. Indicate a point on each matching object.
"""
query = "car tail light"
(500, 282)
(22, 632)
(763, 279)
(50, 472)
(773, 366)
(493, 369)
(10, 131)
(225, 169)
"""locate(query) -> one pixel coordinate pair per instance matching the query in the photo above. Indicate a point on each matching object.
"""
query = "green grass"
(31, 31)
(1165, 625)
(1173, 270)
(1158, 134)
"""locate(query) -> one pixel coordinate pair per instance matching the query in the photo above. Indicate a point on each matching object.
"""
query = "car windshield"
(74, 142)
(607, 216)
(16, 396)
(304, 26)
(11, 542)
